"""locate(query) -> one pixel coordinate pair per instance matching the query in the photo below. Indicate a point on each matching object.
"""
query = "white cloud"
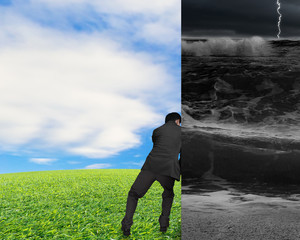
(83, 93)
(157, 7)
(43, 161)
(116, 6)
(158, 21)
(98, 166)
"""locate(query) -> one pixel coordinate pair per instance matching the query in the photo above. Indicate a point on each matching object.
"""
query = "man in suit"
(161, 165)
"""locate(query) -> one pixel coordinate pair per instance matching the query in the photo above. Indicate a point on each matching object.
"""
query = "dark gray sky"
(240, 18)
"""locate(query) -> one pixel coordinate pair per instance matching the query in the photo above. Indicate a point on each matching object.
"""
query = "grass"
(80, 204)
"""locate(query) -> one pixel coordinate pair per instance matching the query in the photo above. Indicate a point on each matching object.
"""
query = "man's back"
(163, 158)
(161, 165)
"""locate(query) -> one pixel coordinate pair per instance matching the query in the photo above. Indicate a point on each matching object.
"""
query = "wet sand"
(231, 214)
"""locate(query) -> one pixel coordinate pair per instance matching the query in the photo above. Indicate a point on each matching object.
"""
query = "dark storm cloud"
(239, 18)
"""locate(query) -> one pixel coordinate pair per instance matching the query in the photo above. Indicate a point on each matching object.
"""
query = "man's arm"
(154, 135)
(180, 160)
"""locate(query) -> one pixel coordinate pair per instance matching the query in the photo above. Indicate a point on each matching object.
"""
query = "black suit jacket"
(163, 158)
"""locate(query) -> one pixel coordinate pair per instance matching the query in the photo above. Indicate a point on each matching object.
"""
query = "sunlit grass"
(80, 204)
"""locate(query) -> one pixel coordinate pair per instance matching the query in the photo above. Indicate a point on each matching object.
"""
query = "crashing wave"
(255, 46)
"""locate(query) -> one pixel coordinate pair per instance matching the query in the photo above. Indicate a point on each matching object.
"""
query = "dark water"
(241, 99)
(199, 186)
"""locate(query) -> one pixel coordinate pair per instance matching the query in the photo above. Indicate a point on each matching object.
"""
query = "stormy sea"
(241, 138)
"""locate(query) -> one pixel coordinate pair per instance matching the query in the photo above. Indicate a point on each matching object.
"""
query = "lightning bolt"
(279, 19)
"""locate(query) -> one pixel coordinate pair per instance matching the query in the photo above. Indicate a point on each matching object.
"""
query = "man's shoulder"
(160, 127)
(173, 127)
(157, 129)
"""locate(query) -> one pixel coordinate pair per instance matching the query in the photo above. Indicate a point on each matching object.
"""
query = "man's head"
(174, 116)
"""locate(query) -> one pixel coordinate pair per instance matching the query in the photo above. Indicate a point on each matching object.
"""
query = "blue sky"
(84, 83)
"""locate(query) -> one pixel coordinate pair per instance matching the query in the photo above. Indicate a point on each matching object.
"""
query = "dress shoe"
(126, 232)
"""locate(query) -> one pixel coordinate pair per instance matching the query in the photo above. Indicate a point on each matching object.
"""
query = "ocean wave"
(255, 46)
(268, 129)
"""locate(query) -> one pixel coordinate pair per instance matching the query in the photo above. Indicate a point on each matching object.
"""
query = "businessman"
(161, 165)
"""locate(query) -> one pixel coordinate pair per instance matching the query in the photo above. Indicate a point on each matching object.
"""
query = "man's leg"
(167, 183)
(139, 188)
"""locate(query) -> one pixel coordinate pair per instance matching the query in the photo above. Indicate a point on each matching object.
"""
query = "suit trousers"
(139, 188)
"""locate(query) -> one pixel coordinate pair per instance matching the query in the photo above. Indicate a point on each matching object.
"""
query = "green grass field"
(80, 204)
